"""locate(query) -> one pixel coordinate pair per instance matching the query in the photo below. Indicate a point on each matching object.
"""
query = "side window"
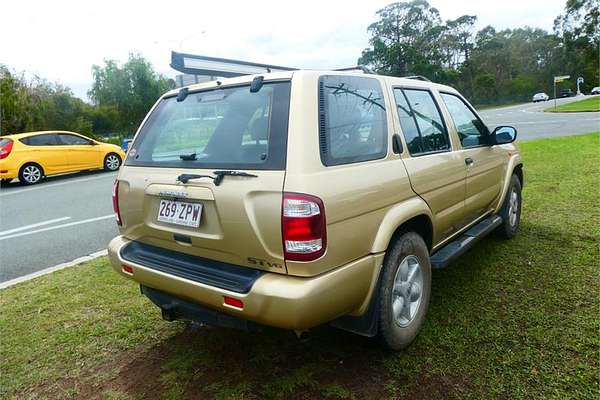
(67, 139)
(434, 136)
(47, 139)
(408, 124)
(352, 120)
(470, 129)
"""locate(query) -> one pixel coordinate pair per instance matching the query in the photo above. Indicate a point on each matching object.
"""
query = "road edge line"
(46, 271)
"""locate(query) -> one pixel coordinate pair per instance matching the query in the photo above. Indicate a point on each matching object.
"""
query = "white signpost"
(579, 81)
(558, 79)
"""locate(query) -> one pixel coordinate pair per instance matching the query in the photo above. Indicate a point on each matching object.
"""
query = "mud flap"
(366, 324)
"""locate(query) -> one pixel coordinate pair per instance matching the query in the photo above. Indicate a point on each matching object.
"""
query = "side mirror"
(504, 135)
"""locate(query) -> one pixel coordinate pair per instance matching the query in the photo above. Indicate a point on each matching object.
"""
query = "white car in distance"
(540, 97)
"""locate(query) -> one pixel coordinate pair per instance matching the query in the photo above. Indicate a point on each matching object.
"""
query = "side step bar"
(443, 257)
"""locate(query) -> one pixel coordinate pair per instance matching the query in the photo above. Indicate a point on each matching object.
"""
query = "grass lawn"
(509, 320)
(585, 105)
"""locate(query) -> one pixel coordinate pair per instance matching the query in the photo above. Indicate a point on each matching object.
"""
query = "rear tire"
(30, 174)
(112, 162)
(405, 291)
(511, 210)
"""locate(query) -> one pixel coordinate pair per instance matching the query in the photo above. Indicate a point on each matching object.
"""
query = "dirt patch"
(229, 364)
(437, 386)
(135, 372)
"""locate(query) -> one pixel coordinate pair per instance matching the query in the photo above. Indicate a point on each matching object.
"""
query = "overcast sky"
(60, 40)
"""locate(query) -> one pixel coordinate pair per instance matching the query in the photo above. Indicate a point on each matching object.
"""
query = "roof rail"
(417, 78)
(362, 68)
(223, 67)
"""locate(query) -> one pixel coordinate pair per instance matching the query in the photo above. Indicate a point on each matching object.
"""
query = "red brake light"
(127, 269)
(303, 227)
(5, 148)
(115, 200)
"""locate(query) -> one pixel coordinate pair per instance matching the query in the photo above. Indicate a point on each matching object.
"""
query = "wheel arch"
(515, 166)
(108, 153)
(34, 163)
(411, 215)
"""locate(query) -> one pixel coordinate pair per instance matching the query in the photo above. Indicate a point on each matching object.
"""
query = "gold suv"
(294, 199)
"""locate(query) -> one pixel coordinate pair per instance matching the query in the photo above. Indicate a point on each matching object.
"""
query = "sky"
(60, 40)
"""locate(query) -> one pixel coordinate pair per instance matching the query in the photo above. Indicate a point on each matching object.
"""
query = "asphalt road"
(532, 123)
(70, 216)
(61, 219)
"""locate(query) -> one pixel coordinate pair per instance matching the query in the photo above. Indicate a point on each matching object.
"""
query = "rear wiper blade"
(217, 179)
(188, 157)
(221, 174)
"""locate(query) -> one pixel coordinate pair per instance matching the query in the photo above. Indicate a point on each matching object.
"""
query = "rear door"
(485, 164)
(168, 192)
(436, 172)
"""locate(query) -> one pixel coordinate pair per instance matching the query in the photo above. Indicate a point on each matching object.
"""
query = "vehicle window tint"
(470, 129)
(47, 139)
(67, 139)
(408, 124)
(219, 128)
(434, 136)
(352, 120)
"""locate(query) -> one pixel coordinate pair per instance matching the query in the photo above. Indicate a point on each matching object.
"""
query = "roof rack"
(362, 68)
(224, 67)
(417, 78)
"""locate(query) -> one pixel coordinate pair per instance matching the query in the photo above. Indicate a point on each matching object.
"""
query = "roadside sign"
(558, 79)
(579, 81)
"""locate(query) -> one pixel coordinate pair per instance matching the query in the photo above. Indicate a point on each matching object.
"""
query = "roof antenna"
(182, 94)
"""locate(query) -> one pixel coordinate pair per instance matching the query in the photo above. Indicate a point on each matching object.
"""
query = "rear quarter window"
(352, 120)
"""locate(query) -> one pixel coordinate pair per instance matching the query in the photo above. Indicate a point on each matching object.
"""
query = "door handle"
(469, 161)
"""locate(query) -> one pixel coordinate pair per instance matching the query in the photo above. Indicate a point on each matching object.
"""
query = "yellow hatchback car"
(34, 155)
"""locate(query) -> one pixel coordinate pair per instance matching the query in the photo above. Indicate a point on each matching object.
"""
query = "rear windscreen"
(218, 128)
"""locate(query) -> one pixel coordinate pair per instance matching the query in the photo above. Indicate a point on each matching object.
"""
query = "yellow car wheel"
(112, 162)
(30, 174)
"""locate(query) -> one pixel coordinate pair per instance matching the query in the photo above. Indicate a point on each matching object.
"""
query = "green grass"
(587, 105)
(515, 319)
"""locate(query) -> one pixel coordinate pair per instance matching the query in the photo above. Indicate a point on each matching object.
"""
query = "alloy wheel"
(32, 174)
(407, 292)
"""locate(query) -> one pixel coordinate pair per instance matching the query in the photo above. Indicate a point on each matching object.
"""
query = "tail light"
(115, 199)
(5, 148)
(303, 227)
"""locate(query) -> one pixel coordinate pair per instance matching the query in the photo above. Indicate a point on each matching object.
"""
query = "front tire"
(405, 291)
(112, 162)
(30, 174)
(511, 210)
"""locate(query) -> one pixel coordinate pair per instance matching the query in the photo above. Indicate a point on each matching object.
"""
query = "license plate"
(180, 213)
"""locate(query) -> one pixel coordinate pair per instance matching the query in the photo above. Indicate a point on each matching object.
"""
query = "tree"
(128, 91)
(403, 40)
(36, 104)
(579, 31)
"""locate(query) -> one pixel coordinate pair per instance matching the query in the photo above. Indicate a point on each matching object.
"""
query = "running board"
(443, 257)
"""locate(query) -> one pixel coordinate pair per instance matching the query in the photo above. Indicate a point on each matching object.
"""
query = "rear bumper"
(8, 173)
(277, 300)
